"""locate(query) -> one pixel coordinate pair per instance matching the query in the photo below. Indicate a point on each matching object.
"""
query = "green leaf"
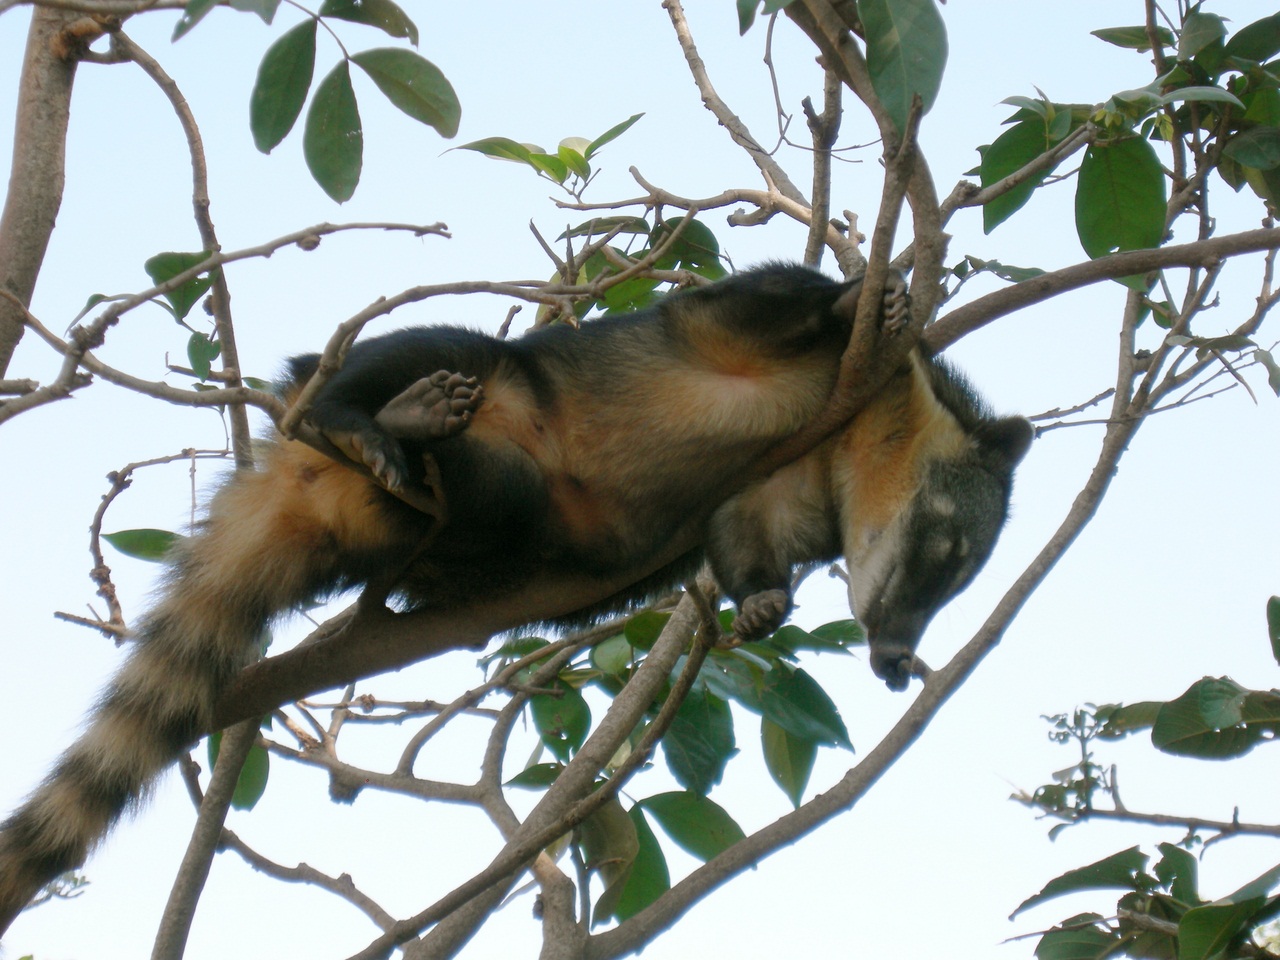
(1216, 719)
(1257, 42)
(201, 352)
(192, 14)
(609, 846)
(1178, 871)
(1258, 148)
(613, 656)
(553, 167)
(383, 14)
(165, 266)
(538, 776)
(1084, 937)
(1273, 624)
(747, 11)
(731, 676)
(562, 719)
(643, 629)
(143, 543)
(697, 825)
(514, 649)
(649, 878)
(611, 134)
(793, 700)
(1205, 931)
(1010, 152)
(333, 142)
(906, 53)
(1120, 870)
(415, 85)
(1133, 38)
(792, 639)
(252, 782)
(1201, 95)
(599, 226)
(1273, 380)
(696, 246)
(700, 741)
(1120, 198)
(500, 148)
(266, 9)
(1129, 718)
(1199, 30)
(284, 77)
(846, 633)
(574, 160)
(789, 759)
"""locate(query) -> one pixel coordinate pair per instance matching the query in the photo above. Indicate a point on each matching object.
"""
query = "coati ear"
(1005, 441)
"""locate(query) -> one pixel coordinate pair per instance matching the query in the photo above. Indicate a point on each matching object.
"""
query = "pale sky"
(1166, 586)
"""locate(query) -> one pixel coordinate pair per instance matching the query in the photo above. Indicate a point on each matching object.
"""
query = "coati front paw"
(896, 307)
(761, 614)
(435, 407)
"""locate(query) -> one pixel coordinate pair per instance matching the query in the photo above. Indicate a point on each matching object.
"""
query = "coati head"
(926, 494)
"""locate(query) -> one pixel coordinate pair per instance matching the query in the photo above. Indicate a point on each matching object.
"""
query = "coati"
(575, 449)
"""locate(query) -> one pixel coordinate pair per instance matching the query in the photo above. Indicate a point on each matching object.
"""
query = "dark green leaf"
(192, 14)
(383, 14)
(906, 52)
(252, 782)
(1084, 937)
(415, 85)
(514, 649)
(1273, 622)
(789, 759)
(695, 246)
(731, 676)
(1258, 148)
(793, 700)
(562, 719)
(1120, 870)
(611, 134)
(792, 639)
(844, 632)
(143, 543)
(649, 878)
(609, 846)
(1012, 151)
(698, 825)
(1134, 38)
(165, 266)
(284, 77)
(1178, 871)
(599, 226)
(202, 351)
(1120, 198)
(266, 9)
(1199, 30)
(1258, 42)
(1263, 106)
(1129, 718)
(643, 629)
(333, 142)
(536, 777)
(1216, 719)
(700, 741)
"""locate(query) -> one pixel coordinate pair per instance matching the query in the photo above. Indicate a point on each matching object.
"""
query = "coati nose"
(891, 662)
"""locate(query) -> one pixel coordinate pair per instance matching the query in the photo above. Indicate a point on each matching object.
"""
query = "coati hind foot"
(433, 408)
(761, 614)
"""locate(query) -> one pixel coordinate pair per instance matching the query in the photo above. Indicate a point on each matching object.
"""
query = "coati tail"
(253, 558)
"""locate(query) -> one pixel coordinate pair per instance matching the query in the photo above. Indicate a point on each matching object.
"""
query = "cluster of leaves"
(1219, 94)
(1161, 915)
(569, 166)
(333, 138)
(906, 48)
(796, 717)
(1215, 719)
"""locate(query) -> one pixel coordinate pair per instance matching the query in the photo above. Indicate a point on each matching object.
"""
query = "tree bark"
(36, 180)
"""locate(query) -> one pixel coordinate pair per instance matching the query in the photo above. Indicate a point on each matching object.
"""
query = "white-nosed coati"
(581, 450)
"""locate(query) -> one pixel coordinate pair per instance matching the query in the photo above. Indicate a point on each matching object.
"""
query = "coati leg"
(433, 408)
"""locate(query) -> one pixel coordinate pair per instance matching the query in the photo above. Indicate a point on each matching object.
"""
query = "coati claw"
(896, 308)
(761, 614)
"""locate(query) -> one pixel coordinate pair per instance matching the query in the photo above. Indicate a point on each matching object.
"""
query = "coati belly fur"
(581, 450)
